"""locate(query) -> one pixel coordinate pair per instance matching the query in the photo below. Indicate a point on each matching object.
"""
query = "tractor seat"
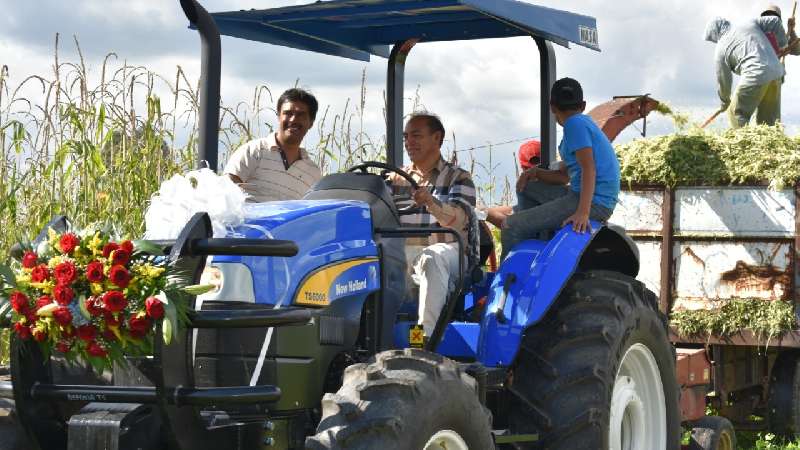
(365, 187)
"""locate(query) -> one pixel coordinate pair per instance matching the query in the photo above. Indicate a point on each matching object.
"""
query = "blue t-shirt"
(580, 131)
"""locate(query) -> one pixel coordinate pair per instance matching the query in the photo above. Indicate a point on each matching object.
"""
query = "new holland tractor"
(305, 343)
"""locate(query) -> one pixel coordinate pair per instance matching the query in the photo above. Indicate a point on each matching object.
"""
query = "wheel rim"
(638, 419)
(446, 440)
(725, 441)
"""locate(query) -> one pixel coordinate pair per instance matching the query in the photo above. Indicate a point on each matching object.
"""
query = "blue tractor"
(305, 343)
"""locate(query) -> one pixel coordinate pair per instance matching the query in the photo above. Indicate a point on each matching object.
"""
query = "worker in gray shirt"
(746, 51)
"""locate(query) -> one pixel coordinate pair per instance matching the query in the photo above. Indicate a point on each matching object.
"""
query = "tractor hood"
(326, 231)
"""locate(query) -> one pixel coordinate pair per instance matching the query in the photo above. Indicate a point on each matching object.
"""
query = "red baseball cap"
(530, 154)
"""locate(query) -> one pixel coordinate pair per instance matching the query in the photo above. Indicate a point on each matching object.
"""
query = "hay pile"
(754, 154)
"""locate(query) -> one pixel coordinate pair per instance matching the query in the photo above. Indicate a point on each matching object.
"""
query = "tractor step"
(239, 395)
(113, 426)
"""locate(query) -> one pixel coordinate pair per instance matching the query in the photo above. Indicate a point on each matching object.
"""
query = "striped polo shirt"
(260, 165)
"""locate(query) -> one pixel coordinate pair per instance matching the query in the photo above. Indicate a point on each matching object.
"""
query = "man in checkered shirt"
(446, 196)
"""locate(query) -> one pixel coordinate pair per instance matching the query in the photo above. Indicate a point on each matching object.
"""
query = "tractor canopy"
(359, 28)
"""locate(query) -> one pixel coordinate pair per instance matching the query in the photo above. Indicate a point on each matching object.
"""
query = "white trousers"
(435, 271)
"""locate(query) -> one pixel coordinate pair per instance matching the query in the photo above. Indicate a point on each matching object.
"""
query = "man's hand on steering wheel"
(413, 209)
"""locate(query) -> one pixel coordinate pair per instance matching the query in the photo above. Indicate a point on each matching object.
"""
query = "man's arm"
(558, 177)
(724, 81)
(580, 219)
(451, 213)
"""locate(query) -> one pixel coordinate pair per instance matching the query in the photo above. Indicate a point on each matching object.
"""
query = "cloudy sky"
(486, 92)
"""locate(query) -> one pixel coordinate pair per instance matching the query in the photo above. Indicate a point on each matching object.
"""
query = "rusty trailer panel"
(693, 372)
(722, 243)
(640, 211)
(707, 273)
(735, 211)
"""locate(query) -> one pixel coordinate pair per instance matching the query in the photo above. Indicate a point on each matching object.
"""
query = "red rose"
(68, 242)
(119, 275)
(94, 305)
(40, 273)
(154, 307)
(114, 301)
(120, 257)
(109, 336)
(19, 302)
(29, 260)
(138, 326)
(31, 316)
(94, 272)
(87, 332)
(63, 294)
(127, 246)
(95, 349)
(39, 335)
(63, 346)
(65, 273)
(23, 331)
(43, 301)
(63, 316)
(108, 248)
(112, 320)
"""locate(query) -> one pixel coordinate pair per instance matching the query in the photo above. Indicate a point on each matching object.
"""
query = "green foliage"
(766, 319)
(752, 154)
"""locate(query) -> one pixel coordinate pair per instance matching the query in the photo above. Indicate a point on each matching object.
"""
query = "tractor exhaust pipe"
(210, 67)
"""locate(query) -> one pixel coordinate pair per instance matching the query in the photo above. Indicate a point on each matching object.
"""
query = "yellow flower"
(45, 286)
(96, 288)
(96, 245)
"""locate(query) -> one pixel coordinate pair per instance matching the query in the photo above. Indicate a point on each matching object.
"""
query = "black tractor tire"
(399, 401)
(783, 403)
(568, 363)
(712, 433)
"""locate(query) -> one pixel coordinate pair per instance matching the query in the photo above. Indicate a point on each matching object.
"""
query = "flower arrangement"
(88, 296)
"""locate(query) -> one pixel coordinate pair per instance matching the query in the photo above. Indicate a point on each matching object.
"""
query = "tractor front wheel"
(405, 399)
(598, 371)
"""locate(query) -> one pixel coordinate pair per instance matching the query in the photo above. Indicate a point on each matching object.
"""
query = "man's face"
(421, 143)
(294, 121)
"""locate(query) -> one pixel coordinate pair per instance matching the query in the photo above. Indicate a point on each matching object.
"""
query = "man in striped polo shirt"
(276, 167)
(446, 196)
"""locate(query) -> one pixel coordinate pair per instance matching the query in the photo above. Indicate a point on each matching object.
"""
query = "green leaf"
(7, 276)
(149, 247)
(168, 328)
(198, 289)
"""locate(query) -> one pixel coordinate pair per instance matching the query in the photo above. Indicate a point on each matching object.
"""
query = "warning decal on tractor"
(416, 336)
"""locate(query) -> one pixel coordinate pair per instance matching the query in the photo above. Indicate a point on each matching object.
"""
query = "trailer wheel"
(405, 399)
(783, 404)
(712, 433)
(598, 371)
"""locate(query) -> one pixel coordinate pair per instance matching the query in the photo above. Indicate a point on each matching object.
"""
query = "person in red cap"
(530, 155)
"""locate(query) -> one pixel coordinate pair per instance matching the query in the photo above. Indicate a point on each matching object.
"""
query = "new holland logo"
(351, 286)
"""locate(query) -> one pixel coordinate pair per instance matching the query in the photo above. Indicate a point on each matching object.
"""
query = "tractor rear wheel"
(405, 399)
(713, 433)
(599, 370)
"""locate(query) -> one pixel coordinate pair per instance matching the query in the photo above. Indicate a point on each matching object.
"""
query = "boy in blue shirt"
(589, 165)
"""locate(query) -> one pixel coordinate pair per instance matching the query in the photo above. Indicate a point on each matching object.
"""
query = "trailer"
(702, 246)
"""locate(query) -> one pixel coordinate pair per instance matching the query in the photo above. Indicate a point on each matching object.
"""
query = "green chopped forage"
(766, 319)
(753, 154)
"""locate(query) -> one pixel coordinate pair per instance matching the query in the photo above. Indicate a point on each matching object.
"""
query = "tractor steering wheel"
(386, 168)
(413, 209)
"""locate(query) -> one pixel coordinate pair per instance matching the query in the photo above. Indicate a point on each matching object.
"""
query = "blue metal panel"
(542, 270)
(325, 231)
(357, 28)
(460, 339)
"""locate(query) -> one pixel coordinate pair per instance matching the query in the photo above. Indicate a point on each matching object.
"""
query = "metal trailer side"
(701, 246)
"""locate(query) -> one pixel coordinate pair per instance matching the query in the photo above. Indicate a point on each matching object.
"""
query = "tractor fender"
(532, 276)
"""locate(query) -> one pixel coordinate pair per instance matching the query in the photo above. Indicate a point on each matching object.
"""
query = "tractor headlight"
(231, 281)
